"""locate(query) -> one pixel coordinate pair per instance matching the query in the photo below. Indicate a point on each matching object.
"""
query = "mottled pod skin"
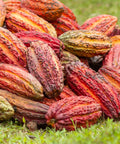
(29, 109)
(112, 75)
(116, 31)
(19, 81)
(73, 112)
(6, 110)
(68, 13)
(86, 43)
(64, 24)
(2, 12)
(12, 4)
(50, 10)
(30, 36)
(84, 81)
(45, 66)
(101, 23)
(67, 92)
(24, 20)
(12, 49)
(112, 59)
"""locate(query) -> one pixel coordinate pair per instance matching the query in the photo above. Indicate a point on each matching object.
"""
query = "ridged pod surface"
(2, 12)
(112, 59)
(86, 43)
(19, 81)
(6, 110)
(29, 109)
(73, 112)
(84, 81)
(101, 23)
(45, 66)
(67, 92)
(64, 24)
(12, 49)
(50, 10)
(50, 101)
(68, 13)
(24, 20)
(112, 75)
(29, 36)
(12, 4)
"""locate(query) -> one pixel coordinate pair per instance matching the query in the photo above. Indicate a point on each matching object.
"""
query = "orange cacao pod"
(86, 43)
(50, 10)
(12, 4)
(73, 112)
(84, 81)
(24, 20)
(116, 31)
(112, 59)
(24, 108)
(101, 23)
(45, 66)
(12, 50)
(2, 13)
(19, 81)
(64, 24)
(30, 36)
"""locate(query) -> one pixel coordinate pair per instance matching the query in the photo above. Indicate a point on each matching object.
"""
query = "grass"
(105, 132)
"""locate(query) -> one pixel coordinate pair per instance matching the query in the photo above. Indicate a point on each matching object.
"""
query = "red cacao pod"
(73, 112)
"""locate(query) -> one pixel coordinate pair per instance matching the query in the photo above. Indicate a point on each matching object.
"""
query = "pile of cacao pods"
(54, 71)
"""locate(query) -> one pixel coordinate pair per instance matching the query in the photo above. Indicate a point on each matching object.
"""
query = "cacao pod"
(64, 24)
(86, 43)
(112, 75)
(12, 50)
(48, 101)
(101, 23)
(84, 81)
(67, 92)
(116, 31)
(112, 59)
(2, 13)
(24, 108)
(29, 36)
(68, 13)
(12, 4)
(45, 66)
(24, 20)
(19, 81)
(6, 110)
(50, 10)
(73, 112)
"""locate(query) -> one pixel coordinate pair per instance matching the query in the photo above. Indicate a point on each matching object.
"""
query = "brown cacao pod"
(45, 66)
(12, 49)
(12, 4)
(50, 10)
(73, 112)
(24, 20)
(86, 43)
(67, 92)
(101, 23)
(112, 75)
(2, 13)
(29, 109)
(112, 59)
(6, 110)
(19, 81)
(68, 13)
(29, 36)
(84, 81)
(64, 24)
